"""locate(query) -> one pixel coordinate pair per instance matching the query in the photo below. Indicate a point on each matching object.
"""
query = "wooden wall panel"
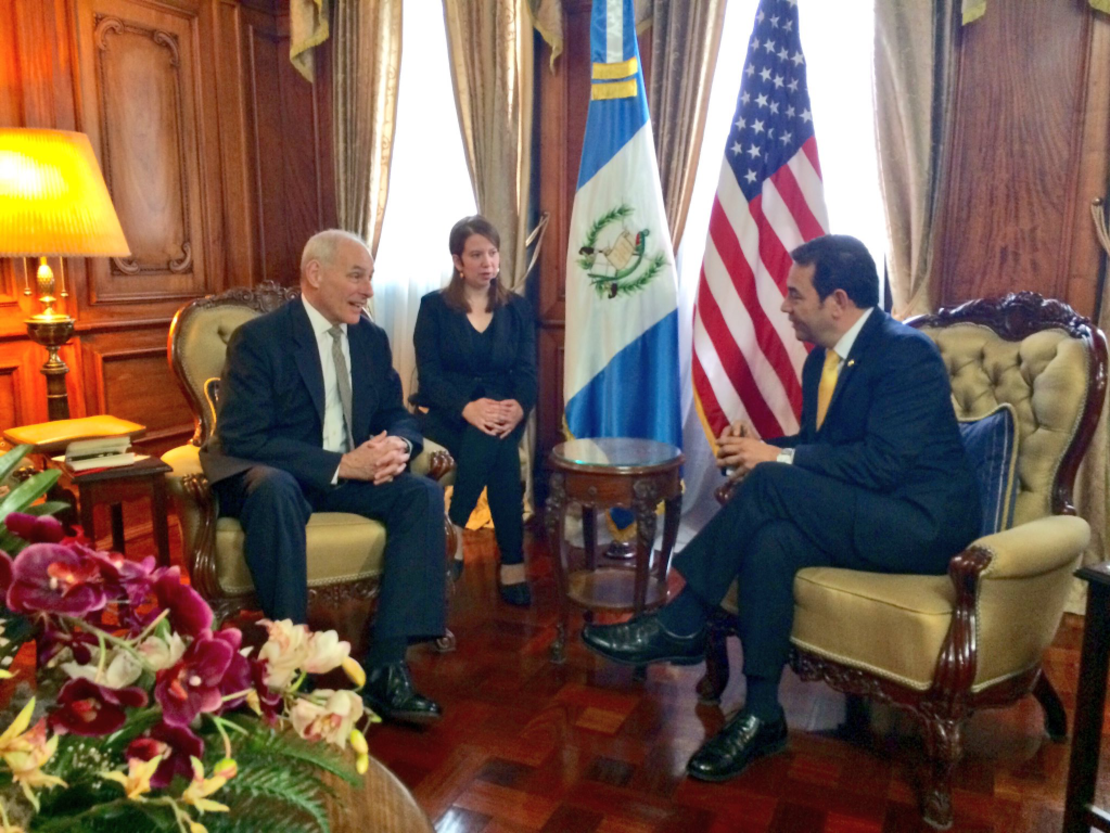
(126, 374)
(148, 107)
(289, 148)
(207, 137)
(564, 104)
(1013, 205)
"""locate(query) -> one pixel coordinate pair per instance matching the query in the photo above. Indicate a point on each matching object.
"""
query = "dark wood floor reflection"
(526, 745)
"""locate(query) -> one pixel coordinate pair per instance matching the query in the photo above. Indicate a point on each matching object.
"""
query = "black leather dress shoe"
(389, 692)
(516, 594)
(644, 640)
(741, 741)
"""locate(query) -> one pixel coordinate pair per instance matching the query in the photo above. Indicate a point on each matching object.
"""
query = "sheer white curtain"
(429, 187)
(837, 40)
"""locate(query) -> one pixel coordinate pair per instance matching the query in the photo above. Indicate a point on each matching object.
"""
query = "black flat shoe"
(457, 565)
(390, 694)
(517, 594)
(644, 640)
(743, 739)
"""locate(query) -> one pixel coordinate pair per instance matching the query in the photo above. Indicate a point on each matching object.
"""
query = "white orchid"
(326, 652)
(285, 652)
(162, 653)
(328, 716)
(121, 670)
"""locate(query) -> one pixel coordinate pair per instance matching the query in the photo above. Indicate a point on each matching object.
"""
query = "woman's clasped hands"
(497, 418)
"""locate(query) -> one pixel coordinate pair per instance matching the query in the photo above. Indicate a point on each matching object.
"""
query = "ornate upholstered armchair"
(941, 646)
(344, 550)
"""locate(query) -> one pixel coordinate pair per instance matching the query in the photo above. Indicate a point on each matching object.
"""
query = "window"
(429, 184)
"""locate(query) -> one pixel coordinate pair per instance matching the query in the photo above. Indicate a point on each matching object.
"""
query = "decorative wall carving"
(144, 147)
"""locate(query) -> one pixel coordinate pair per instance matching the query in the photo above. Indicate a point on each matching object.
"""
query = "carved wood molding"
(335, 595)
(108, 25)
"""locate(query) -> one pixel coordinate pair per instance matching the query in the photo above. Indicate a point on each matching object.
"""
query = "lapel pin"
(851, 362)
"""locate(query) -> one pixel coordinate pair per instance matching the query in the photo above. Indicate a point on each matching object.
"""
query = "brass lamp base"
(53, 331)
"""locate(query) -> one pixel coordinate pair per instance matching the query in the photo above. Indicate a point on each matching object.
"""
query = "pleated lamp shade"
(53, 200)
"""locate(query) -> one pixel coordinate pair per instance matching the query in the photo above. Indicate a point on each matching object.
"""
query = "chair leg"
(857, 718)
(1055, 718)
(713, 683)
(945, 746)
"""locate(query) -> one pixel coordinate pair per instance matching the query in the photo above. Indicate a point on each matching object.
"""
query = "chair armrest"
(1034, 548)
(197, 511)
(435, 462)
(1011, 588)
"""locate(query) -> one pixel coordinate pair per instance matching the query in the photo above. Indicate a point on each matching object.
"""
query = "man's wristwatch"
(785, 456)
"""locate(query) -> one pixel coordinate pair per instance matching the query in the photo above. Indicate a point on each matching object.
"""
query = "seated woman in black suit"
(475, 355)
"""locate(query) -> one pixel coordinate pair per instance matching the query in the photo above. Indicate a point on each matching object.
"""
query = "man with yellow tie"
(875, 479)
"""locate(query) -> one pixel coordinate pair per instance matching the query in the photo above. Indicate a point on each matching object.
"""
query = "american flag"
(746, 360)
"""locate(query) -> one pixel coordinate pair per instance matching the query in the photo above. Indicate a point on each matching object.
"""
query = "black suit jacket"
(452, 376)
(891, 430)
(271, 408)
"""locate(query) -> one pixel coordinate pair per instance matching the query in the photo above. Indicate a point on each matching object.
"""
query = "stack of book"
(103, 453)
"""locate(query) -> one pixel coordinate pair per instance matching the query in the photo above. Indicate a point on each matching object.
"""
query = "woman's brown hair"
(454, 294)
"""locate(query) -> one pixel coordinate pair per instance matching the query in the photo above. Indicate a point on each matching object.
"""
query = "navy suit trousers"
(781, 519)
(274, 509)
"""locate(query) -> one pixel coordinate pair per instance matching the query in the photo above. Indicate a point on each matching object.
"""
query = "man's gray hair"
(322, 245)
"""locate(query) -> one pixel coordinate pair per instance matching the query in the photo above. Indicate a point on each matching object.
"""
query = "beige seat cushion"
(891, 625)
(341, 548)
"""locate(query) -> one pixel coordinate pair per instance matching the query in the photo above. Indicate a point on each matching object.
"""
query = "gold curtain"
(914, 75)
(366, 63)
(685, 39)
(308, 28)
(490, 46)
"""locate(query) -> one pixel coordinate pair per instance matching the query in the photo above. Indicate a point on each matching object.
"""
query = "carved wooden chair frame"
(201, 562)
(943, 707)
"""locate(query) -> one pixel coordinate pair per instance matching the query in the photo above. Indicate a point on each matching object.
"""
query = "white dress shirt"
(335, 432)
(844, 346)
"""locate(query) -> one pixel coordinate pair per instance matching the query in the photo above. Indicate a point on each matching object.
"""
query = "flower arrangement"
(144, 717)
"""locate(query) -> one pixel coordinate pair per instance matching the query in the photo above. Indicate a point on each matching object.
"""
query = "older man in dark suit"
(311, 420)
(875, 479)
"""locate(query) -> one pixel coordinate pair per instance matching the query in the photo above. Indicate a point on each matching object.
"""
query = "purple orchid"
(238, 676)
(52, 578)
(85, 708)
(189, 614)
(6, 565)
(35, 529)
(192, 686)
(176, 745)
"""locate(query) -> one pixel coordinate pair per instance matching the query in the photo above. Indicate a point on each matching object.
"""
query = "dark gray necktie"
(343, 378)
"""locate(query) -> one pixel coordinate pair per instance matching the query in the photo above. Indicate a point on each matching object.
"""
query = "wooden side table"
(1080, 814)
(601, 474)
(144, 479)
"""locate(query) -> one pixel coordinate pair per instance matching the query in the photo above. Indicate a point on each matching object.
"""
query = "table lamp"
(54, 203)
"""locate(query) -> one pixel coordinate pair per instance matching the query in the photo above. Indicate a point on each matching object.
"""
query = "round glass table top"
(616, 452)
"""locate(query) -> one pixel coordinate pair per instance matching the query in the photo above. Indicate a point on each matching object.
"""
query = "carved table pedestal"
(601, 474)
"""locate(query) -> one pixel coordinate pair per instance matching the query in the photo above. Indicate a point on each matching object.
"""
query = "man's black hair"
(842, 262)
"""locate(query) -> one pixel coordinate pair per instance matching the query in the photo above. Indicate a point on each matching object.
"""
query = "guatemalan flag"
(621, 370)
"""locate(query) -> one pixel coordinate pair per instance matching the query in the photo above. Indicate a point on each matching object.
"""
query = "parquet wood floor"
(526, 745)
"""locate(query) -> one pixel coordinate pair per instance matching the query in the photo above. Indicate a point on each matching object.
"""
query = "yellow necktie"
(828, 384)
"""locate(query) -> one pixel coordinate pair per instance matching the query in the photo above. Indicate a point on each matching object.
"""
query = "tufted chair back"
(1038, 356)
(198, 343)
